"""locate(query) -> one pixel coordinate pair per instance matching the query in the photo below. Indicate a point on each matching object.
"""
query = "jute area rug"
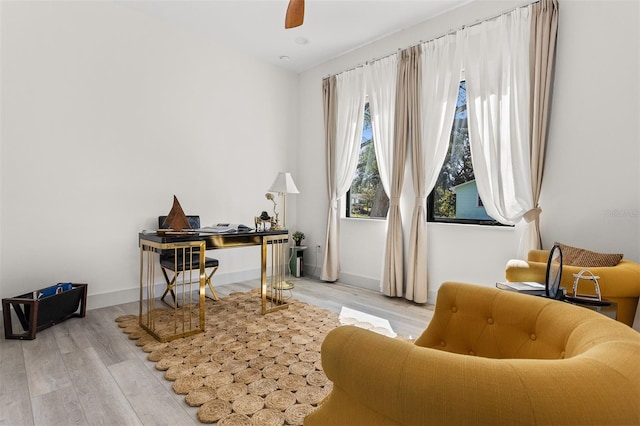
(246, 368)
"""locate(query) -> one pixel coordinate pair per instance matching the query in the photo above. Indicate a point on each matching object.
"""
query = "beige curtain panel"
(407, 129)
(329, 270)
(441, 68)
(544, 29)
(342, 156)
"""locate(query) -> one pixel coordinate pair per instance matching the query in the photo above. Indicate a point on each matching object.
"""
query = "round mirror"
(554, 273)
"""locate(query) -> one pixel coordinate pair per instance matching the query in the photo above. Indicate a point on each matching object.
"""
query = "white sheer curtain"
(498, 98)
(441, 67)
(381, 89)
(342, 158)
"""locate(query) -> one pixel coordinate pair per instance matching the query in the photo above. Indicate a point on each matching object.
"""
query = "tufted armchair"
(620, 283)
(487, 357)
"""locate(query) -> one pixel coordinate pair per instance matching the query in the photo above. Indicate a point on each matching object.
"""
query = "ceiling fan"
(295, 14)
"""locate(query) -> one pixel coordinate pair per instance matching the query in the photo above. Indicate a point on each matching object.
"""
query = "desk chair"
(177, 264)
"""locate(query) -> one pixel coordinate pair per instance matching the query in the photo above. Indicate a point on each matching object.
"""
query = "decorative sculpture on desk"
(275, 221)
(262, 221)
(176, 221)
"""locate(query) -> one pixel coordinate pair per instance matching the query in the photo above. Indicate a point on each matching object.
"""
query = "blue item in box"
(54, 289)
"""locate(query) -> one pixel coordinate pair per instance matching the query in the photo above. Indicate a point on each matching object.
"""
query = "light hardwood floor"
(85, 371)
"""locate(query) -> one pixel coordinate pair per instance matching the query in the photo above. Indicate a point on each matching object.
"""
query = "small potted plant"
(298, 237)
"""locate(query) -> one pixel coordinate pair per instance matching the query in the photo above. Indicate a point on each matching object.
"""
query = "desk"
(189, 318)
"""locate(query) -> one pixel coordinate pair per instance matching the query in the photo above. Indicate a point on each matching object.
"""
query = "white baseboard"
(374, 285)
(359, 281)
(95, 301)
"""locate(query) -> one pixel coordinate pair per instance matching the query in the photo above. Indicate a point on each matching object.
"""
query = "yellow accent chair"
(620, 283)
(488, 357)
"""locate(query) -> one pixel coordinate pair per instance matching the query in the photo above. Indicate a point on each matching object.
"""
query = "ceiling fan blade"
(295, 14)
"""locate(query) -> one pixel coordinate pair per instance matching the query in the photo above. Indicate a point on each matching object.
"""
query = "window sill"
(474, 226)
(364, 219)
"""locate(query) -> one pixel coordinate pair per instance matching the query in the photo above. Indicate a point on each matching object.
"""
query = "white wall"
(106, 114)
(592, 181)
(591, 191)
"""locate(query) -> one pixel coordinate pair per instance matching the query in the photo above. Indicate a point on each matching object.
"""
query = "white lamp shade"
(284, 184)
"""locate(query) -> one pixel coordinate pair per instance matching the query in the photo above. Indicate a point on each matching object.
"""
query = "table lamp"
(283, 185)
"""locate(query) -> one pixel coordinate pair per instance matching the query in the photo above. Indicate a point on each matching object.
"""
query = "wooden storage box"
(35, 314)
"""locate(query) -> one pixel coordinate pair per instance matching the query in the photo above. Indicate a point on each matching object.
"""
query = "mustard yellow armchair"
(488, 357)
(620, 283)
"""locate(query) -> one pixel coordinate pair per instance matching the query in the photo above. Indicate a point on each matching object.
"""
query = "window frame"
(431, 218)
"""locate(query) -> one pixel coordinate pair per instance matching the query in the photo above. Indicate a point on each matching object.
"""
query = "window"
(366, 197)
(455, 198)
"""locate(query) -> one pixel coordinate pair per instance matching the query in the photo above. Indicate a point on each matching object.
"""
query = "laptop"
(527, 287)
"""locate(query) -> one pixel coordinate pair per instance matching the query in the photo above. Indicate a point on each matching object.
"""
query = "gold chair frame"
(172, 282)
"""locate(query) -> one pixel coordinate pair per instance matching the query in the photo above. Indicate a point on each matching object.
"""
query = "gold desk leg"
(146, 317)
(181, 321)
(203, 282)
(141, 282)
(263, 275)
(271, 281)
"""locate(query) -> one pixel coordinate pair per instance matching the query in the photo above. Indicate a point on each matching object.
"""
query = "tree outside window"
(366, 198)
(455, 197)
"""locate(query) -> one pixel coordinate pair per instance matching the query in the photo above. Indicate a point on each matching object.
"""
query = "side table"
(296, 261)
(610, 310)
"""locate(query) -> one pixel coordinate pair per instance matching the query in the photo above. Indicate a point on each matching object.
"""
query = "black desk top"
(214, 240)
